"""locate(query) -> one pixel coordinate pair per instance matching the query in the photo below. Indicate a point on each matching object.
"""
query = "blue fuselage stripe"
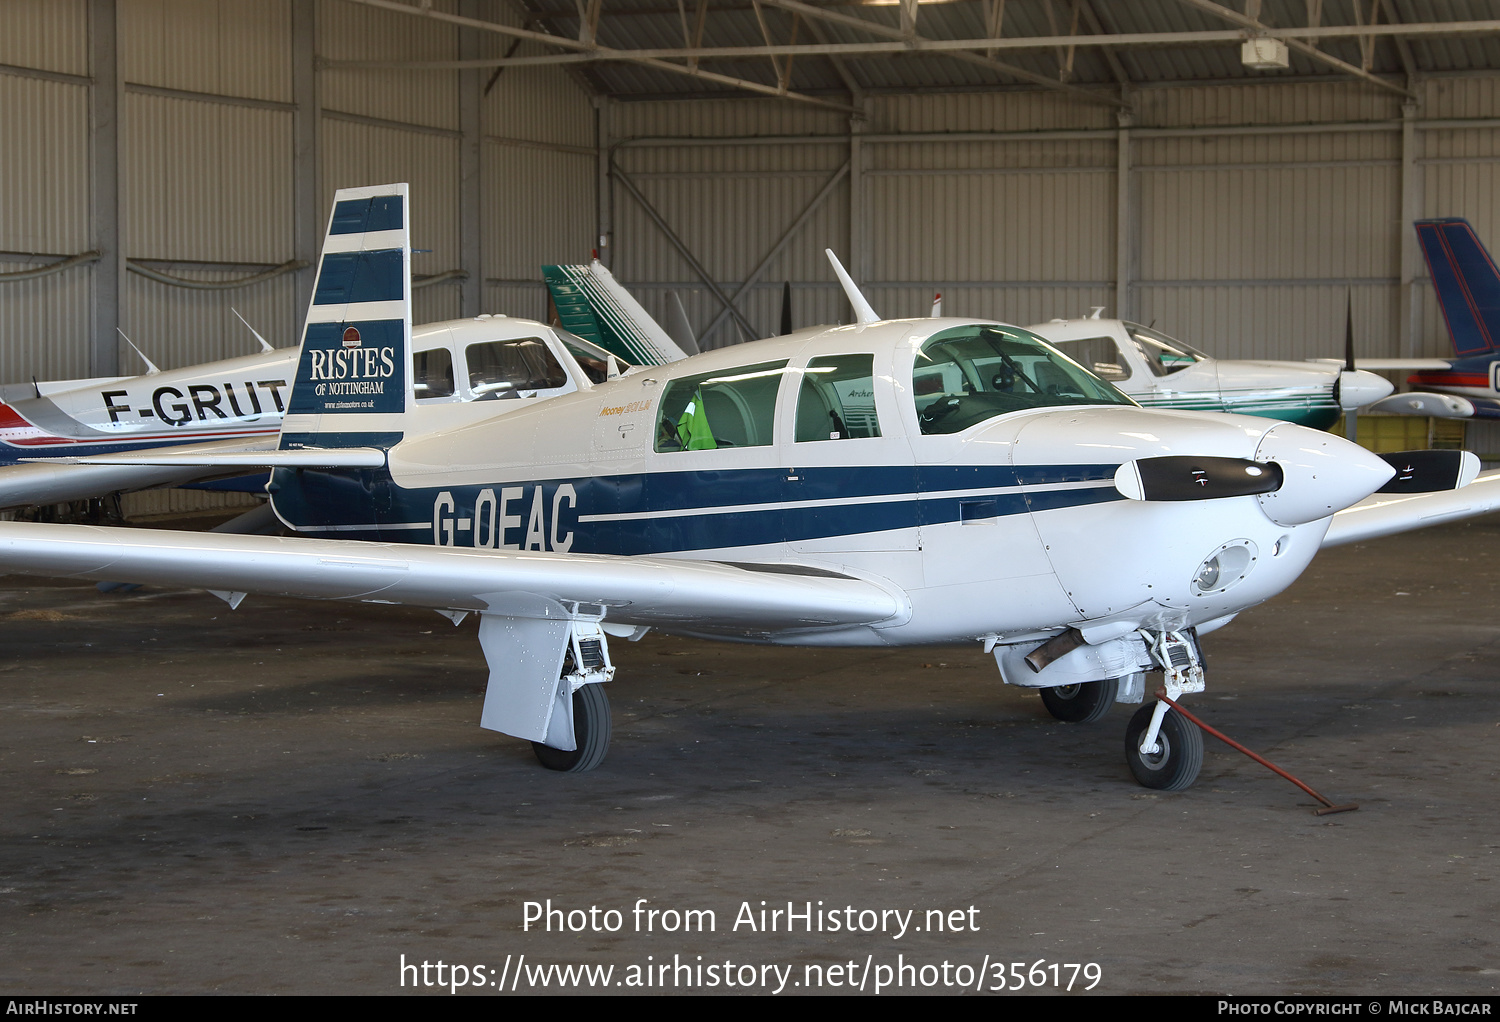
(666, 512)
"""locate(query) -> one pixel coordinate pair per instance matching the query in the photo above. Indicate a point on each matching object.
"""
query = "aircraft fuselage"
(1008, 527)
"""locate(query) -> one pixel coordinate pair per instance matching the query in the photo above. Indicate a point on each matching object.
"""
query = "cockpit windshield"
(968, 374)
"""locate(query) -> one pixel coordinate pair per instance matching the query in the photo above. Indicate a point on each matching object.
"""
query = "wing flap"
(632, 590)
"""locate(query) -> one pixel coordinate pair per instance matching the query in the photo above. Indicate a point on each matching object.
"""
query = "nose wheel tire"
(592, 723)
(1179, 757)
(1083, 703)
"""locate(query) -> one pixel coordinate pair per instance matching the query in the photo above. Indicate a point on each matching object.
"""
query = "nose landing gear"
(1177, 756)
(1165, 750)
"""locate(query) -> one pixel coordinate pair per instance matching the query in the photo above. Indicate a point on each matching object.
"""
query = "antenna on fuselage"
(862, 310)
(151, 369)
(265, 345)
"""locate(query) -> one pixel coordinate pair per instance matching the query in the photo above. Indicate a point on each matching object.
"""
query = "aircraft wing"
(1388, 514)
(698, 595)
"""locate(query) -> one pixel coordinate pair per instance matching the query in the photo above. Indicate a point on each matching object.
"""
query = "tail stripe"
(1467, 284)
(353, 370)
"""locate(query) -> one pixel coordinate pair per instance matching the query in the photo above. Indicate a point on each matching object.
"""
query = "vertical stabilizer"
(353, 374)
(593, 305)
(1467, 284)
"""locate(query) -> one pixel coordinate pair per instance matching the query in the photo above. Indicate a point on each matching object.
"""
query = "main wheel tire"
(1176, 766)
(592, 723)
(1083, 703)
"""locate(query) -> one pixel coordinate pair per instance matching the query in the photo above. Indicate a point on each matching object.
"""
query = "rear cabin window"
(837, 399)
(729, 408)
(1099, 355)
(506, 369)
(432, 373)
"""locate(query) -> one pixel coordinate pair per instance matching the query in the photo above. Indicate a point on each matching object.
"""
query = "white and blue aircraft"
(879, 484)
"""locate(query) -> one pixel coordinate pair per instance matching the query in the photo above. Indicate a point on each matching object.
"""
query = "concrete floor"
(290, 797)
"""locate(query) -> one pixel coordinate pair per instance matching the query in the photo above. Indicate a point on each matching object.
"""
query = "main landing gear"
(585, 669)
(1083, 703)
(592, 724)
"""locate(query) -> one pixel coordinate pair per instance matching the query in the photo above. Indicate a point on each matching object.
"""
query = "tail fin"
(353, 378)
(1467, 284)
(592, 304)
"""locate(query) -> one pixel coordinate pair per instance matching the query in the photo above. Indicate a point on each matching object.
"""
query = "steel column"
(1411, 209)
(104, 188)
(307, 228)
(470, 171)
(1125, 220)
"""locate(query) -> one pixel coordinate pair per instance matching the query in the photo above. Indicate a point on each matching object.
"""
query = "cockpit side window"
(1099, 355)
(729, 408)
(968, 374)
(592, 359)
(432, 373)
(1163, 355)
(837, 399)
(506, 369)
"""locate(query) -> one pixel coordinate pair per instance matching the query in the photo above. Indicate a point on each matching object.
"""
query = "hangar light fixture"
(1264, 54)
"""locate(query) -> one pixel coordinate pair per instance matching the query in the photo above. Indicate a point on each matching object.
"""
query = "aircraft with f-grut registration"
(234, 407)
(885, 483)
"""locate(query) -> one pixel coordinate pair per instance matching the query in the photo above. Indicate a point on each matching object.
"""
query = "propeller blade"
(1429, 471)
(1190, 478)
(786, 307)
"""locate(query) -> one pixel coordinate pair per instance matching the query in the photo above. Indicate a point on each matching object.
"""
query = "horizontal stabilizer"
(697, 595)
(192, 457)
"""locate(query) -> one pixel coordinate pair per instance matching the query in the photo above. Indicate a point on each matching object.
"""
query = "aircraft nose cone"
(1322, 473)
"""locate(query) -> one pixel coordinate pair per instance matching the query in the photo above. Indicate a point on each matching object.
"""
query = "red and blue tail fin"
(1467, 284)
(353, 375)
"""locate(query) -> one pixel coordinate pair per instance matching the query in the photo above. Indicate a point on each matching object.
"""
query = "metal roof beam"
(919, 43)
(1296, 43)
(923, 46)
(1403, 49)
(589, 52)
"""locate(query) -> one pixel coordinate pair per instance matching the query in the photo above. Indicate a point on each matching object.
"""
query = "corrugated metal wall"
(207, 121)
(1245, 241)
